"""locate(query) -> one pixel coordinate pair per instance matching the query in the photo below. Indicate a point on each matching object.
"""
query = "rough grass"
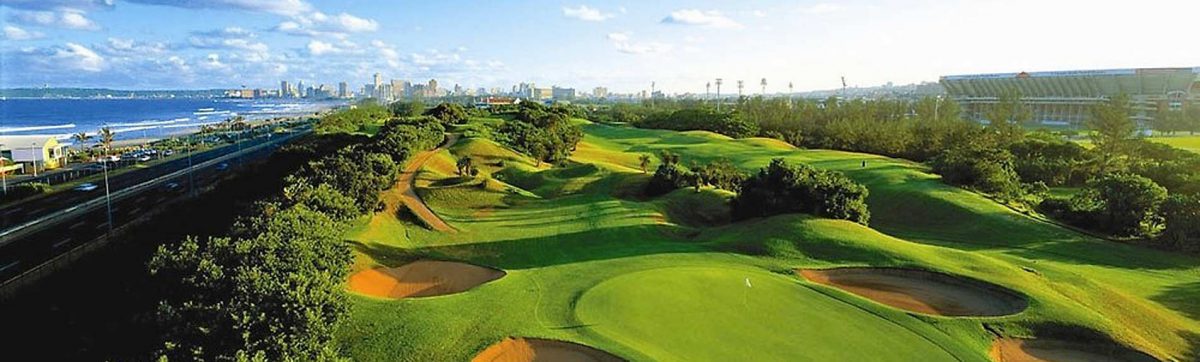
(585, 263)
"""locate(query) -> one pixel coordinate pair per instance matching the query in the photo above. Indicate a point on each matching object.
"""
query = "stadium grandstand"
(1064, 98)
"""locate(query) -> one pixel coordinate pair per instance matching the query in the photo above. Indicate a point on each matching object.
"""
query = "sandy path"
(919, 291)
(541, 350)
(422, 278)
(406, 186)
(1021, 350)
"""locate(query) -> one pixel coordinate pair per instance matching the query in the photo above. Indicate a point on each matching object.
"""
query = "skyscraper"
(343, 92)
(284, 89)
(432, 88)
(378, 80)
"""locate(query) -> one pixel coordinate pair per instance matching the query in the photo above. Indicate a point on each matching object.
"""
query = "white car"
(85, 187)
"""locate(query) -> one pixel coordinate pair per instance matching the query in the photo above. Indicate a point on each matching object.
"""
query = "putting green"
(701, 313)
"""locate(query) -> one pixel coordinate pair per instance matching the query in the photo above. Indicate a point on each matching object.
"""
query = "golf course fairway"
(724, 314)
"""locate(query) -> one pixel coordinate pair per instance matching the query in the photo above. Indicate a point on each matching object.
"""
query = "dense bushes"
(980, 166)
(702, 119)
(782, 188)
(1120, 204)
(1182, 216)
(546, 134)
(272, 290)
(449, 113)
(352, 119)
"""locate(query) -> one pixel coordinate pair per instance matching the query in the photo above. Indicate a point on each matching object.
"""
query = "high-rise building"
(398, 88)
(562, 93)
(432, 88)
(343, 91)
(600, 92)
(378, 81)
(284, 89)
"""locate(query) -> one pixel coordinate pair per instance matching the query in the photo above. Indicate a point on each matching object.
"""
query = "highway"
(35, 232)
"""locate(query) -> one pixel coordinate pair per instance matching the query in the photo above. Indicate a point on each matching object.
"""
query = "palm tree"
(106, 138)
(81, 137)
(644, 160)
(464, 165)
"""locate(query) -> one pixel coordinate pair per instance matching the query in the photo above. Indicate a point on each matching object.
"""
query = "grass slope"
(586, 259)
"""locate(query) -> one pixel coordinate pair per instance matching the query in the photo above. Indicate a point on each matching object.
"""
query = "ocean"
(139, 118)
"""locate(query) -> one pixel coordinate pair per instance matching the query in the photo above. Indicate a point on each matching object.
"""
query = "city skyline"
(680, 46)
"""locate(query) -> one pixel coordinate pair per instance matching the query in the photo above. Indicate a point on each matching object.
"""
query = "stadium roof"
(1076, 83)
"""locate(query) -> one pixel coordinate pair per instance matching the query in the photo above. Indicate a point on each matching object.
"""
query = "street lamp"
(35, 156)
(707, 89)
(107, 196)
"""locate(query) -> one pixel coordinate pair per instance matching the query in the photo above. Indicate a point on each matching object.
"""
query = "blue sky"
(624, 45)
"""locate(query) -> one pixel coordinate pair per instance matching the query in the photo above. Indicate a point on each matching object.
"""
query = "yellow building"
(34, 151)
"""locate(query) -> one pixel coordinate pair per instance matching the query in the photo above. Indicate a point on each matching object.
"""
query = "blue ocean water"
(136, 118)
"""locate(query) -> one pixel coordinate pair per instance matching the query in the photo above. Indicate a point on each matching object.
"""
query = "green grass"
(1190, 143)
(591, 261)
(709, 313)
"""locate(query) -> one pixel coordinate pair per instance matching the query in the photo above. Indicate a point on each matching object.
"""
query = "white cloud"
(130, 47)
(317, 47)
(228, 38)
(57, 4)
(79, 57)
(705, 18)
(318, 23)
(822, 8)
(60, 18)
(585, 13)
(15, 33)
(281, 7)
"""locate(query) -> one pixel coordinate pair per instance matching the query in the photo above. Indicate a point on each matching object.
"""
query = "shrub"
(979, 166)
(1129, 201)
(782, 188)
(451, 113)
(1182, 216)
(667, 178)
(24, 190)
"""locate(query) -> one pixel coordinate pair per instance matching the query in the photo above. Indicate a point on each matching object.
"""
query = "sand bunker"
(422, 278)
(1046, 350)
(541, 350)
(922, 291)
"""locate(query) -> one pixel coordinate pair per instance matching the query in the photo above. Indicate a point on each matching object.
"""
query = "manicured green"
(591, 261)
(1190, 143)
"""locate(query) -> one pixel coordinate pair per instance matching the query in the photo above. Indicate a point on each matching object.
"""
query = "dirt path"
(406, 187)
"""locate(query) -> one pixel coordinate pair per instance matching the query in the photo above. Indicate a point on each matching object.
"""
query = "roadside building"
(1066, 97)
(38, 152)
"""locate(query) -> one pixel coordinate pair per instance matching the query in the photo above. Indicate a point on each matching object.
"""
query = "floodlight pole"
(718, 94)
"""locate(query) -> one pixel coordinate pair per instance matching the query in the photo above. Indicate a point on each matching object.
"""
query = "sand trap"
(541, 350)
(1051, 350)
(422, 278)
(922, 291)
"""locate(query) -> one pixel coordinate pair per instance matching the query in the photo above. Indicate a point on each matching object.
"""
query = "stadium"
(1064, 98)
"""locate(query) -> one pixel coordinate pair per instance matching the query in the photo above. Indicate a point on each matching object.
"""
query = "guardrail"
(14, 233)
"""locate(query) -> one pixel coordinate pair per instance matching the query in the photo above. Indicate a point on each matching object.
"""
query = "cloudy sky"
(625, 45)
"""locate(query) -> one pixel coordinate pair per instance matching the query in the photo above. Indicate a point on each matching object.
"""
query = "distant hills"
(107, 93)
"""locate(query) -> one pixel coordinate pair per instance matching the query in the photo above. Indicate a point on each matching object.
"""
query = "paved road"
(407, 186)
(29, 248)
(23, 212)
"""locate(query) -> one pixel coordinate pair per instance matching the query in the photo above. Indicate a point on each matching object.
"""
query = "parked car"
(85, 187)
(144, 158)
(168, 153)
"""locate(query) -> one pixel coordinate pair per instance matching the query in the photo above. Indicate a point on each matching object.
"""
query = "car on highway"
(85, 187)
(222, 166)
(173, 187)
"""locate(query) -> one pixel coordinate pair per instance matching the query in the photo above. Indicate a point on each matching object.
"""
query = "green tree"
(644, 161)
(1008, 116)
(1128, 202)
(783, 188)
(106, 139)
(449, 113)
(1181, 213)
(1111, 128)
(464, 165)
